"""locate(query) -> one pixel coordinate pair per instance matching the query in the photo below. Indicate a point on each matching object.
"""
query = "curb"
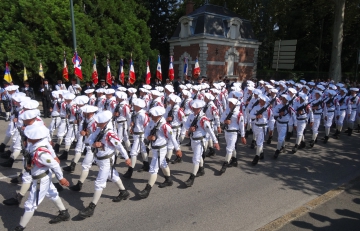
(298, 212)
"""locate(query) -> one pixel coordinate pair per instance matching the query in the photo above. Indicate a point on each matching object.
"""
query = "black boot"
(14, 200)
(200, 172)
(58, 187)
(246, 134)
(57, 148)
(347, 130)
(277, 152)
(70, 168)
(8, 164)
(255, 160)
(145, 193)
(295, 148)
(2, 147)
(350, 132)
(326, 139)
(302, 145)
(88, 211)
(145, 167)
(17, 180)
(358, 128)
(177, 160)
(64, 156)
(252, 146)
(312, 143)
(288, 136)
(336, 134)
(211, 152)
(168, 182)
(76, 187)
(233, 162)
(261, 155)
(129, 173)
(269, 140)
(63, 216)
(6, 155)
(123, 195)
(190, 181)
(223, 168)
(167, 160)
(19, 228)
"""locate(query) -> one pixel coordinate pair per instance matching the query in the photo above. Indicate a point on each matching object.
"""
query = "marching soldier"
(122, 115)
(353, 102)
(317, 108)
(55, 113)
(160, 134)
(212, 113)
(329, 113)
(90, 93)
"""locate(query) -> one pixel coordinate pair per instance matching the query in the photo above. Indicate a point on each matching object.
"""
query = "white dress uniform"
(178, 119)
(303, 112)
(317, 106)
(353, 101)
(212, 114)
(282, 123)
(74, 89)
(122, 122)
(55, 115)
(329, 114)
(72, 131)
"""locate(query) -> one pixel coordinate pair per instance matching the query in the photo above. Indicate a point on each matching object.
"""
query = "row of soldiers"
(159, 120)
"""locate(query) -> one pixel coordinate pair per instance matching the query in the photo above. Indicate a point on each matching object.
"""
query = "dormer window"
(234, 28)
(186, 23)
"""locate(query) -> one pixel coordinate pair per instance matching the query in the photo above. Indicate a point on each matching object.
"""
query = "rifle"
(99, 138)
(302, 107)
(283, 109)
(262, 110)
(248, 99)
(342, 100)
(171, 113)
(152, 133)
(206, 107)
(228, 117)
(318, 103)
(194, 123)
(182, 105)
(255, 104)
(116, 110)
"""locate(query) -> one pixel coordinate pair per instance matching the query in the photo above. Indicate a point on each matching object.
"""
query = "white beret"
(274, 90)
(122, 89)
(209, 96)
(189, 86)
(282, 84)
(157, 111)
(269, 86)
(88, 91)
(89, 109)
(250, 88)
(235, 88)
(36, 132)
(272, 81)
(234, 101)
(257, 92)
(19, 94)
(62, 92)
(169, 88)
(143, 90)
(287, 97)
(175, 98)
(292, 90)
(29, 114)
(263, 97)
(354, 89)
(318, 92)
(261, 82)
(291, 82)
(340, 84)
(69, 96)
(197, 103)
(30, 104)
(331, 92)
(321, 87)
(303, 96)
(299, 85)
(302, 81)
(181, 86)
(238, 94)
(332, 86)
(12, 88)
(155, 92)
(196, 87)
(187, 93)
(206, 86)
(121, 95)
(159, 88)
(139, 102)
(109, 91)
(132, 90)
(55, 94)
(147, 87)
(81, 100)
(276, 83)
(18, 98)
(222, 84)
(100, 90)
(216, 91)
(308, 88)
(344, 90)
(103, 116)
(311, 83)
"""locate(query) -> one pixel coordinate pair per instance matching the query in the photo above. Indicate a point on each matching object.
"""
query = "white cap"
(81, 100)
(122, 89)
(291, 82)
(311, 83)
(303, 96)
(189, 86)
(250, 88)
(146, 86)
(175, 98)
(269, 86)
(139, 102)
(274, 90)
(281, 83)
(261, 82)
(55, 94)
(354, 89)
(234, 101)
(216, 91)
(197, 103)
(100, 90)
(121, 95)
(332, 86)
(181, 86)
(209, 96)
(307, 87)
(159, 88)
(69, 96)
(272, 81)
(318, 92)
(109, 91)
(344, 90)
(287, 97)
(257, 92)
(17, 97)
(12, 88)
(292, 90)
(331, 92)
(132, 90)
(222, 84)
(263, 97)
(237, 94)
(340, 85)
(89, 109)
(155, 92)
(302, 81)
(299, 85)
(36, 132)
(88, 91)
(103, 116)
(169, 88)
(321, 87)
(29, 114)
(187, 93)
(30, 104)
(157, 111)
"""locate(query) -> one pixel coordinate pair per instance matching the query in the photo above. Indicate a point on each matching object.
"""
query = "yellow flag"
(41, 72)
(7, 76)
(25, 75)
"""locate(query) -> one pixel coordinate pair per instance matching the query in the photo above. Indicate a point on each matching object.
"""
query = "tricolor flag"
(65, 70)
(77, 68)
(121, 72)
(94, 75)
(25, 75)
(158, 69)
(132, 77)
(185, 66)
(148, 74)
(108, 73)
(171, 69)
(196, 72)
(41, 71)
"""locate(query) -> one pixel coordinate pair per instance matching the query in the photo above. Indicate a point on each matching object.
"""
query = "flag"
(94, 75)
(158, 69)
(108, 73)
(148, 74)
(121, 72)
(41, 71)
(171, 69)
(65, 70)
(25, 75)
(185, 66)
(196, 72)
(77, 68)
(132, 77)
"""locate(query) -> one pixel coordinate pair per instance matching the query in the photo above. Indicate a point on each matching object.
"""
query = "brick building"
(223, 42)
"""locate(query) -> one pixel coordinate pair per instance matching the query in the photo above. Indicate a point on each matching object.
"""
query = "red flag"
(171, 69)
(196, 72)
(77, 68)
(158, 69)
(65, 69)
(108, 73)
(148, 74)
(132, 77)
(121, 72)
(94, 76)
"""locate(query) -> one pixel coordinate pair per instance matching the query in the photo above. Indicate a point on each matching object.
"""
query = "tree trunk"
(335, 64)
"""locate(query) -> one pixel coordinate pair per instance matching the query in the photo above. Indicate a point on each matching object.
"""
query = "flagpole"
(73, 29)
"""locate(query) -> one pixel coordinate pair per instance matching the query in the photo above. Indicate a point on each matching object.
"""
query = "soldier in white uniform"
(55, 112)
(139, 121)
(353, 102)
(122, 115)
(90, 93)
(105, 141)
(159, 134)
(74, 88)
(342, 108)
(233, 126)
(185, 105)
(198, 126)
(42, 164)
(329, 113)
(317, 108)
(212, 113)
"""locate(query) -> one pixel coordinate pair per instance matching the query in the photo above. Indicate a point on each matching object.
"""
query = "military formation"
(106, 124)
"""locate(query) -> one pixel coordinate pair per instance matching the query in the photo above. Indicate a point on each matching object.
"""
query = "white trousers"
(62, 128)
(259, 133)
(315, 127)
(55, 123)
(88, 159)
(122, 131)
(230, 138)
(71, 134)
(329, 120)
(281, 129)
(341, 115)
(198, 148)
(154, 165)
(138, 145)
(105, 173)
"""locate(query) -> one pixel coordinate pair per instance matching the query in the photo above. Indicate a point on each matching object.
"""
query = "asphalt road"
(243, 198)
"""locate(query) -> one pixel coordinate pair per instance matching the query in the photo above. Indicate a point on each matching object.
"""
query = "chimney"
(189, 7)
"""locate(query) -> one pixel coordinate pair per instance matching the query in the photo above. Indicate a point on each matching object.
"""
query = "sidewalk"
(340, 213)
